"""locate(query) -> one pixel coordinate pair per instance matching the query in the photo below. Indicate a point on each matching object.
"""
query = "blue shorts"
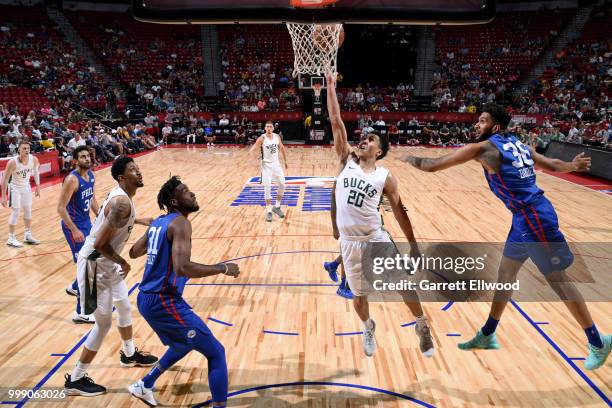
(172, 319)
(535, 234)
(75, 247)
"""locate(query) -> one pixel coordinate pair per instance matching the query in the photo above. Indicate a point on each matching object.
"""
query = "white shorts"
(20, 197)
(110, 284)
(352, 249)
(272, 172)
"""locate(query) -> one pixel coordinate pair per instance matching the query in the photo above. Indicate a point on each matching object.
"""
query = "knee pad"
(99, 331)
(27, 212)
(267, 192)
(124, 312)
(13, 216)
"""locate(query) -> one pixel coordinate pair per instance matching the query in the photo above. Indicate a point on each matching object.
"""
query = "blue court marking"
(281, 333)
(254, 195)
(453, 335)
(326, 383)
(348, 334)
(562, 354)
(577, 358)
(9, 402)
(302, 179)
(63, 360)
(57, 354)
(408, 324)
(212, 319)
(541, 323)
(447, 306)
(317, 199)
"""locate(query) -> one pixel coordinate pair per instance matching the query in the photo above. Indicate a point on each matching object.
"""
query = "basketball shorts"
(20, 197)
(100, 284)
(535, 234)
(272, 172)
(172, 319)
(75, 247)
(352, 249)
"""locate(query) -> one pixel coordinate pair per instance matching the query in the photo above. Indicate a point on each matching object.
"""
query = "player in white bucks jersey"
(271, 145)
(359, 188)
(101, 272)
(17, 193)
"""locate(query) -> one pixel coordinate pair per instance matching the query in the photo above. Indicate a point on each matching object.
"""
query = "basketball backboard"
(308, 11)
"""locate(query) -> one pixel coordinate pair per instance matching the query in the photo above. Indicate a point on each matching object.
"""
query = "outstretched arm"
(459, 156)
(256, 148)
(180, 234)
(333, 213)
(36, 177)
(283, 153)
(391, 191)
(580, 163)
(10, 167)
(343, 149)
(140, 247)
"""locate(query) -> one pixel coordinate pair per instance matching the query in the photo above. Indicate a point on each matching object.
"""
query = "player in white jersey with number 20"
(359, 188)
(271, 145)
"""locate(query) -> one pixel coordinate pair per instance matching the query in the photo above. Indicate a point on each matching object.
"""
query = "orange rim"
(311, 3)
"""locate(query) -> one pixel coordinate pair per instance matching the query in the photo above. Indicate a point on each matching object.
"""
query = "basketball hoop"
(315, 47)
(317, 90)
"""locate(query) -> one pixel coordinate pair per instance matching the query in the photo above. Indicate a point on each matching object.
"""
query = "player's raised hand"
(232, 270)
(330, 78)
(582, 162)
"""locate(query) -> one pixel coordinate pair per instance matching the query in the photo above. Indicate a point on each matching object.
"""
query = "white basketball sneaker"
(143, 393)
(29, 239)
(12, 241)
(369, 341)
(83, 318)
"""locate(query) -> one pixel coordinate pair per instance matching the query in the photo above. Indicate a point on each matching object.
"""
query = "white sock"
(27, 231)
(79, 371)
(368, 324)
(278, 203)
(269, 208)
(128, 347)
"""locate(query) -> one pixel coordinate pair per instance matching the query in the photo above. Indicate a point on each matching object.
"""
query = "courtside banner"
(469, 271)
(49, 166)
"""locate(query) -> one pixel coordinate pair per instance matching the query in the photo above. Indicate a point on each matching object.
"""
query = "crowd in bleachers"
(44, 70)
(479, 64)
(163, 67)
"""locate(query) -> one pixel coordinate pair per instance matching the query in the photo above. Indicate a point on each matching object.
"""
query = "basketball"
(321, 34)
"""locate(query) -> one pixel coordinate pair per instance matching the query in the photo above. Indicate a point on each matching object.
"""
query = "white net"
(315, 47)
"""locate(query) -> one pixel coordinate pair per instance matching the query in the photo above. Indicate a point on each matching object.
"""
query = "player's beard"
(485, 136)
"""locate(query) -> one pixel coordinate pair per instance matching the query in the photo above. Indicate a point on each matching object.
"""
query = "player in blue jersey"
(167, 244)
(76, 200)
(509, 169)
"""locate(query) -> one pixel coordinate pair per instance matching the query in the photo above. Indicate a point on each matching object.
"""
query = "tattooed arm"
(117, 214)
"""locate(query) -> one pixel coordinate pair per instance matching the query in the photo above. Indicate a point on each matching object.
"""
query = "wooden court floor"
(286, 333)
